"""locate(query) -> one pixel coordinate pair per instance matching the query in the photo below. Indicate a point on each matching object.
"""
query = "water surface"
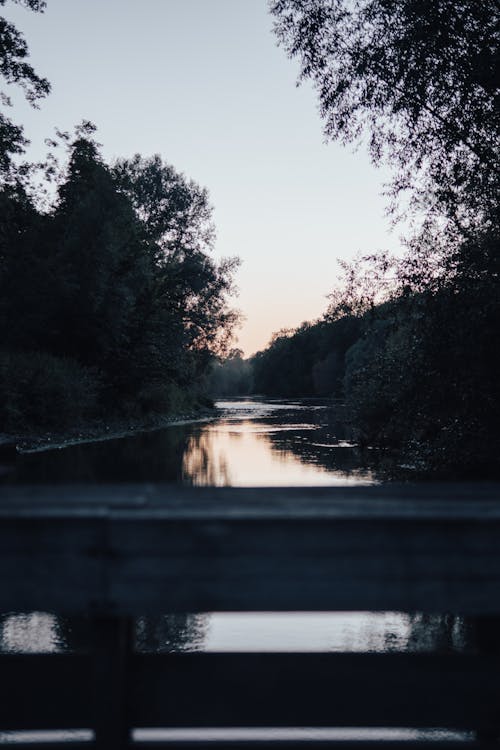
(253, 442)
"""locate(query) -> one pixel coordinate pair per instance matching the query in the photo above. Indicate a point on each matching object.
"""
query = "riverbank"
(100, 431)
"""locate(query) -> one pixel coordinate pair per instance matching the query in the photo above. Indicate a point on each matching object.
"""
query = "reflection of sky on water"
(266, 444)
(331, 631)
(30, 633)
(254, 442)
(249, 632)
(340, 734)
(337, 734)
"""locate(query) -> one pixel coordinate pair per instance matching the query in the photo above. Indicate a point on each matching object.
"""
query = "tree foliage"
(177, 217)
(92, 281)
(308, 361)
(418, 79)
(108, 292)
(16, 70)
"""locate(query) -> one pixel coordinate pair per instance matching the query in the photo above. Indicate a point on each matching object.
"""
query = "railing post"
(113, 644)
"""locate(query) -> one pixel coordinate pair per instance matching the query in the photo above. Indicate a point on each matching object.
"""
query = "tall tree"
(104, 267)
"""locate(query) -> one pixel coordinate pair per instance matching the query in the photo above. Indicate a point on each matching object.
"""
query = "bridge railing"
(117, 552)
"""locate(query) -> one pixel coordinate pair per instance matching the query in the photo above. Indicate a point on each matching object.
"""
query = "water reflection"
(35, 632)
(171, 633)
(265, 443)
(254, 442)
(251, 632)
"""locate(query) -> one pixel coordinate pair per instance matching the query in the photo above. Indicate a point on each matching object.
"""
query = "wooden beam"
(321, 690)
(250, 690)
(273, 745)
(46, 691)
(310, 745)
(151, 549)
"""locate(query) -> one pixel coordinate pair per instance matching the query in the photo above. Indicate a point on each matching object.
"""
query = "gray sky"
(202, 83)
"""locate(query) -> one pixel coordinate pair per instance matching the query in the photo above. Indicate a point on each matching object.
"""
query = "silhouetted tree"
(133, 313)
(177, 218)
(308, 361)
(104, 268)
(15, 69)
(418, 79)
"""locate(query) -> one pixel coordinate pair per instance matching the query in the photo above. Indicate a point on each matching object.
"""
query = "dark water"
(253, 442)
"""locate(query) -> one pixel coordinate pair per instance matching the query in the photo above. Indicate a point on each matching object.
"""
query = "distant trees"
(230, 376)
(308, 361)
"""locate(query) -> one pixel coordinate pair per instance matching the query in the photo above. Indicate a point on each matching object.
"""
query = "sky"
(204, 84)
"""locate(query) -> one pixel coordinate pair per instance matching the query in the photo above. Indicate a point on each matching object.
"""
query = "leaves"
(417, 77)
(15, 70)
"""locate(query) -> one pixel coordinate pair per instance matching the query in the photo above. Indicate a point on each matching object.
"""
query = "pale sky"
(203, 84)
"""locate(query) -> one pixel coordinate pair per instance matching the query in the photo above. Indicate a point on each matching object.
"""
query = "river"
(253, 442)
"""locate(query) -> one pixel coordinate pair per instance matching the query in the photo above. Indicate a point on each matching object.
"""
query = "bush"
(164, 397)
(41, 391)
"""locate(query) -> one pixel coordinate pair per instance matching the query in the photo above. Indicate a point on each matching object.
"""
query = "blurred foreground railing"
(115, 552)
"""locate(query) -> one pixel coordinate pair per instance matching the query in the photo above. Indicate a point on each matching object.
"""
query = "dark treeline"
(110, 304)
(419, 374)
(309, 361)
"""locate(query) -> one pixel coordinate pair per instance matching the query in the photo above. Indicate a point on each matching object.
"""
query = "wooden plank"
(311, 745)
(46, 691)
(323, 690)
(176, 549)
(258, 690)
(53, 564)
(422, 500)
(326, 564)
(270, 745)
(128, 566)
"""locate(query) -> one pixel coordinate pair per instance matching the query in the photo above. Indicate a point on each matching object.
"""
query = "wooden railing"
(116, 552)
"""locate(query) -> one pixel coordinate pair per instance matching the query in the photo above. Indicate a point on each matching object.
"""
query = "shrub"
(41, 391)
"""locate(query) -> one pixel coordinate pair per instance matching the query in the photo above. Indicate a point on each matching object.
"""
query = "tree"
(191, 288)
(418, 78)
(15, 69)
(104, 270)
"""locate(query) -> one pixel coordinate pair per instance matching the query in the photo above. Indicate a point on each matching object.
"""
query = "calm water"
(253, 442)
(257, 443)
